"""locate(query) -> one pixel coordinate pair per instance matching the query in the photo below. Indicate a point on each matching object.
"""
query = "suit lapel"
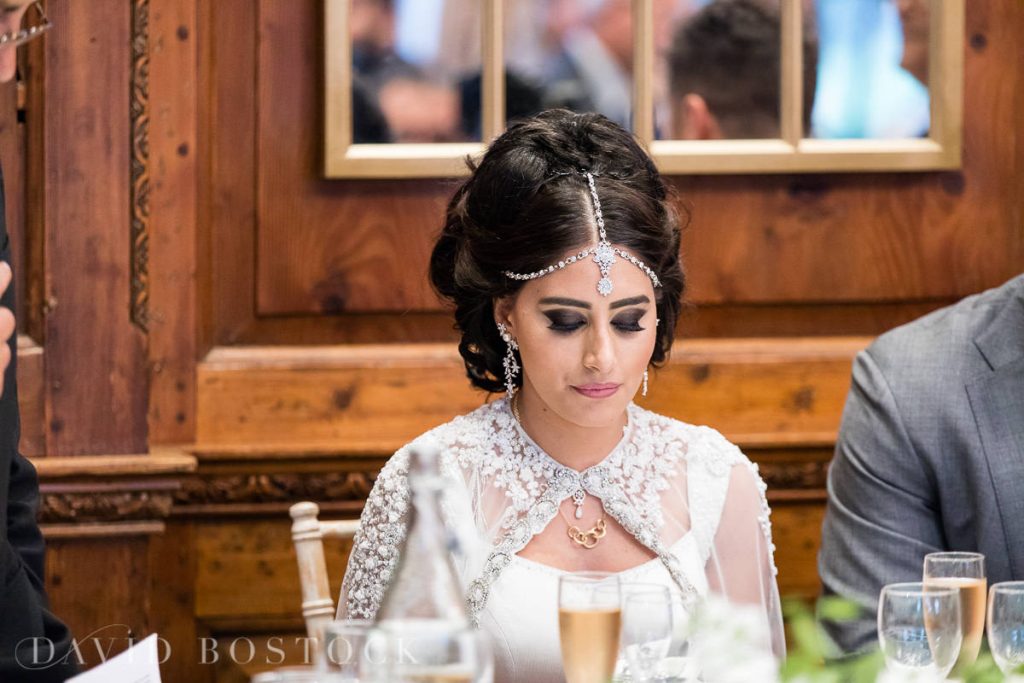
(997, 402)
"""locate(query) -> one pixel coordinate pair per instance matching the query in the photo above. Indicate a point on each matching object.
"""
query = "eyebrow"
(562, 301)
(576, 303)
(631, 301)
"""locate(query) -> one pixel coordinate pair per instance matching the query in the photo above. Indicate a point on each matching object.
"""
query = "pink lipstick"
(597, 390)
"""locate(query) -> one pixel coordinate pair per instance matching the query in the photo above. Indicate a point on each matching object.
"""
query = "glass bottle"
(423, 633)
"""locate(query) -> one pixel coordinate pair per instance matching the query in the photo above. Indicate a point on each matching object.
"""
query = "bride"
(560, 253)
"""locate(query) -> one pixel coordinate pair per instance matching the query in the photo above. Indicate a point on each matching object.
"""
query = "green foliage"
(815, 658)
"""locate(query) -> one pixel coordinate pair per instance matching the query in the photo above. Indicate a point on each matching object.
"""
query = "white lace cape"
(664, 479)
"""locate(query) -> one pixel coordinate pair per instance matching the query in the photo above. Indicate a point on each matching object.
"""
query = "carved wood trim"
(794, 476)
(104, 506)
(284, 487)
(139, 108)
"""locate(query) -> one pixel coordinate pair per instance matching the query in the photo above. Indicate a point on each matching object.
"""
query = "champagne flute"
(589, 618)
(646, 631)
(966, 572)
(919, 628)
(1006, 625)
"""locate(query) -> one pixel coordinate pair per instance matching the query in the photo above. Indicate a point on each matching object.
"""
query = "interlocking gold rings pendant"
(588, 539)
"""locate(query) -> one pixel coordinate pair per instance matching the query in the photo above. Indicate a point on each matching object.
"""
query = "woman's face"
(583, 354)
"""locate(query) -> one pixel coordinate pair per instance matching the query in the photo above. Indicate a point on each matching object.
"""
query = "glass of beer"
(589, 620)
(1006, 625)
(919, 629)
(965, 572)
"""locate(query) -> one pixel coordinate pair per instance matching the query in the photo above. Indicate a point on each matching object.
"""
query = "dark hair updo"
(526, 203)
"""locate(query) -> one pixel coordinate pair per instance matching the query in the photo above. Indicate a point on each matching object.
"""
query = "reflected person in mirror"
(560, 256)
(29, 633)
(591, 70)
(725, 75)
(394, 100)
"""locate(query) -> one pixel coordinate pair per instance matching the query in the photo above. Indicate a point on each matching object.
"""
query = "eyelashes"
(567, 323)
(564, 322)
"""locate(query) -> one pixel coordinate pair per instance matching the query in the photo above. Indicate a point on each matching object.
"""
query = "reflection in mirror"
(722, 72)
(412, 79)
(575, 54)
(873, 69)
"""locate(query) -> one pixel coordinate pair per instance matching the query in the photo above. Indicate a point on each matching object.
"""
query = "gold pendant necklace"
(585, 539)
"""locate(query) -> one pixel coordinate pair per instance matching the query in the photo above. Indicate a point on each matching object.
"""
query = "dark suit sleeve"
(23, 606)
(882, 516)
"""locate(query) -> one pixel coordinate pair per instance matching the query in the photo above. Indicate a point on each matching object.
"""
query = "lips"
(597, 390)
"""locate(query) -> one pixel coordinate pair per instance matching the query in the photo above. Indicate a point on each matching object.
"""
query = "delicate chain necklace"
(586, 539)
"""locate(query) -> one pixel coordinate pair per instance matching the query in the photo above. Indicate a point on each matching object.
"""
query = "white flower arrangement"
(730, 643)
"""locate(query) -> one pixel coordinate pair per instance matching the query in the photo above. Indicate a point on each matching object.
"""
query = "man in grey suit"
(930, 454)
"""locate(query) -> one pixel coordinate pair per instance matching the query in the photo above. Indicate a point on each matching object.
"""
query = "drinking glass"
(1006, 625)
(646, 631)
(919, 628)
(344, 642)
(678, 666)
(966, 572)
(589, 621)
(291, 674)
(426, 651)
(631, 588)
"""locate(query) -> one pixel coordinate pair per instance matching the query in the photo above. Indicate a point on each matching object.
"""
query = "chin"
(596, 413)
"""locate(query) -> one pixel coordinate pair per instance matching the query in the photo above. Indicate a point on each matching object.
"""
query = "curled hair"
(526, 203)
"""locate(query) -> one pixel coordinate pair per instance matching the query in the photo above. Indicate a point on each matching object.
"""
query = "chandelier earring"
(510, 363)
(643, 392)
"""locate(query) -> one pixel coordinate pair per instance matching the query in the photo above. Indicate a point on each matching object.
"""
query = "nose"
(599, 354)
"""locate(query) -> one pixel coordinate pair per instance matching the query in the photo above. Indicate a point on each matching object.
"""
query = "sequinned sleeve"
(376, 545)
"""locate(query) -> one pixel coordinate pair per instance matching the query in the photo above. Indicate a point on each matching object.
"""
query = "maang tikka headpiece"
(604, 253)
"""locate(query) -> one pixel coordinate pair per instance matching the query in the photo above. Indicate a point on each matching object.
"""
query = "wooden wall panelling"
(173, 298)
(373, 399)
(95, 358)
(796, 532)
(98, 586)
(31, 397)
(233, 557)
(227, 140)
(328, 246)
(103, 519)
(172, 560)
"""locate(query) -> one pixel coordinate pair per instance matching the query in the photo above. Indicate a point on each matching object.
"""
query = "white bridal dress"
(683, 491)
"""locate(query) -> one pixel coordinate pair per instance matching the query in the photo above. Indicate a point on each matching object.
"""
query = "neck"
(575, 446)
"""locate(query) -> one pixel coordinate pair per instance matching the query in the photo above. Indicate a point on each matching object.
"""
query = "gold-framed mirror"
(709, 86)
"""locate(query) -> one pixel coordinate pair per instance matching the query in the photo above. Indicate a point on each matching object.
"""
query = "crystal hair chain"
(603, 252)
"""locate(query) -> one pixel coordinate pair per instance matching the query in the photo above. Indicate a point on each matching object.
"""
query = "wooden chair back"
(308, 534)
